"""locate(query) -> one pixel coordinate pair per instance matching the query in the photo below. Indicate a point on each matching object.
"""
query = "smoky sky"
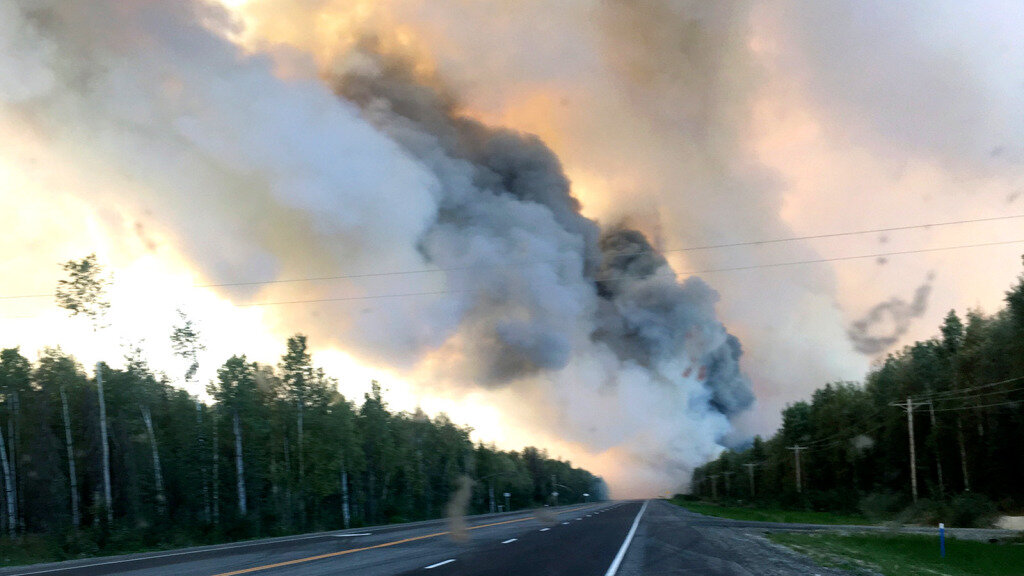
(375, 170)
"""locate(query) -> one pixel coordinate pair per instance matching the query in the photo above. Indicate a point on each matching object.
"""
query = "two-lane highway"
(385, 550)
(606, 539)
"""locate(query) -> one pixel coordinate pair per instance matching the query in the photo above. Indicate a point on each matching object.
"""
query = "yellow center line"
(384, 545)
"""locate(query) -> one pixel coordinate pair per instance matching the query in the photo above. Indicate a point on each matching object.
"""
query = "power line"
(1010, 403)
(596, 280)
(859, 257)
(941, 395)
(839, 234)
(966, 397)
(630, 253)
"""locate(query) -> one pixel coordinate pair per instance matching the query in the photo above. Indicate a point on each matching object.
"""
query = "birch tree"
(15, 377)
(84, 293)
(186, 345)
(236, 390)
(297, 376)
(142, 382)
(12, 523)
(55, 372)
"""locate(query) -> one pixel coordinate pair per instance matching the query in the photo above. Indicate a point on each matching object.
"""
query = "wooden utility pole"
(796, 454)
(938, 458)
(750, 472)
(727, 474)
(909, 406)
(963, 453)
(714, 486)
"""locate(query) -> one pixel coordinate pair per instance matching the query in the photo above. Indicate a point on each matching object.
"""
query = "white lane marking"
(352, 535)
(565, 523)
(432, 566)
(625, 543)
(579, 518)
(510, 540)
(545, 529)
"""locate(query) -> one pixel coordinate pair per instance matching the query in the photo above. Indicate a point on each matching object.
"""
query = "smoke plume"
(456, 508)
(893, 316)
(378, 182)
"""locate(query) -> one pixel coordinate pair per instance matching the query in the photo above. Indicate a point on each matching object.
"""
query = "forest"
(121, 459)
(961, 394)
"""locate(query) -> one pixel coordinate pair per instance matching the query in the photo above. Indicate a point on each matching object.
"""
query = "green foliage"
(399, 466)
(882, 506)
(967, 385)
(972, 510)
(84, 291)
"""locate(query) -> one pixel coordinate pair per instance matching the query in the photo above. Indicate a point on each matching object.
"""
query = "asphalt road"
(588, 540)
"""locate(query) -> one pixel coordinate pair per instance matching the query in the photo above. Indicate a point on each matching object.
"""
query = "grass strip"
(906, 554)
(771, 514)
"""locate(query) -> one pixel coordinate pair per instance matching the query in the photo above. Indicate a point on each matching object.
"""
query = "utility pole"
(750, 472)
(714, 486)
(727, 474)
(963, 453)
(909, 408)
(796, 448)
(938, 458)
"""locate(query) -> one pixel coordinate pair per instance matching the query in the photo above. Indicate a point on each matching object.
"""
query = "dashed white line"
(352, 535)
(432, 566)
(510, 540)
(545, 529)
(565, 523)
(579, 518)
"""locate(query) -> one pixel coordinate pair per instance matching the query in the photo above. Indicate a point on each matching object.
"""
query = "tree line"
(122, 458)
(959, 396)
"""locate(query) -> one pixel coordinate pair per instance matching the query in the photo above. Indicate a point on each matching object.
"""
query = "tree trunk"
(107, 501)
(288, 506)
(302, 485)
(239, 465)
(15, 450)
(72, 475)
(14, 425)
(12, 522)
(216, 474)
(345, 515)
(202, 459)
(158, 476)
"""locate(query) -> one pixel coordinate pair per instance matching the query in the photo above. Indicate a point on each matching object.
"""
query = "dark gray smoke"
(894, 315)
(642, 313)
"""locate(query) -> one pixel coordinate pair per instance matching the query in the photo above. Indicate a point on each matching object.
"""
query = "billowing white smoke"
(262, 178)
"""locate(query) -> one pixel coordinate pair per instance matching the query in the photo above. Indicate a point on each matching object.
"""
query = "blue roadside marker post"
(942, 539)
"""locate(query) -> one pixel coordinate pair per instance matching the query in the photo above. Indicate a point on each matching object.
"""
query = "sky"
(192, 145)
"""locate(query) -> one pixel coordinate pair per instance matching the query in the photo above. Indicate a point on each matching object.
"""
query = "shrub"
(924, 511)
(881, 506)
(972, 511)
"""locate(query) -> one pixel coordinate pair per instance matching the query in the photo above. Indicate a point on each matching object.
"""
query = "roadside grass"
(771, 514)
(906, 554)
(26, 550)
